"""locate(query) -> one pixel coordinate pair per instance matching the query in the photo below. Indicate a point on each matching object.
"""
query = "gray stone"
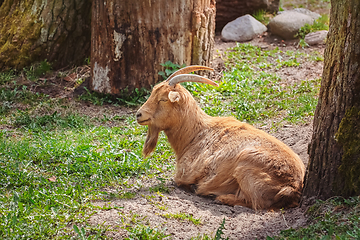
(315, 38)
(242, 29)
(288, 23)
(305, 11)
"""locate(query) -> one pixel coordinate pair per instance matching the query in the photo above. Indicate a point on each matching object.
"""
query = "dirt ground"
(240, 222)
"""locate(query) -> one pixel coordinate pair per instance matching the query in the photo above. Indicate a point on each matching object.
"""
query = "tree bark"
(35, 30)
(131, 38)
(334, 151)
(229, 10)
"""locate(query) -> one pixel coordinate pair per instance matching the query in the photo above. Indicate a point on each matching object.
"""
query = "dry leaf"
(52, 179)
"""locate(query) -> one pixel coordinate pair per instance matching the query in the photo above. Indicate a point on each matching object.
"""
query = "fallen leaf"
(52, 179)
(99, 150)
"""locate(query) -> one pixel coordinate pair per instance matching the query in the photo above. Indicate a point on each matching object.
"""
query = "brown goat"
(220, 156)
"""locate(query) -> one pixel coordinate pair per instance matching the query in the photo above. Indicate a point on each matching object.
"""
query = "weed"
(218, 235)
(47, 122)
(145, 232)
(10, 97)
(127, 195)
(219, 232)
(262, 16)
(321, 23)
(96, 98)
(6, 77)
(37, 70)
(302, 43)
(137, 97)
(170, 68)
(183, 217)
(160, 188)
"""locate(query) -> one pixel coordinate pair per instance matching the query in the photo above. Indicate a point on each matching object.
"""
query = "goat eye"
(163, 100)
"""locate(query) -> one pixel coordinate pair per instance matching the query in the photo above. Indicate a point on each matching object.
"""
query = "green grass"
(136, 98)
(145, 232)
(83, 159)
(35, 71)
(262, 16)
(183, 217)
(336, 218)
(251, 93)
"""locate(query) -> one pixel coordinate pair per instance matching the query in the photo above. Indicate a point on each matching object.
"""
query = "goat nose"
(138, 114)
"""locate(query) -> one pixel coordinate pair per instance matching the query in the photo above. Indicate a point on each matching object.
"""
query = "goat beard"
(151, 140)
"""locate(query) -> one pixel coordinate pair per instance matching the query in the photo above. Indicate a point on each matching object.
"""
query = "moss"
(19, 33)
(348, 136)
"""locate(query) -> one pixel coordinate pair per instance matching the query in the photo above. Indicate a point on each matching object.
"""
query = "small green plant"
(146, 233)
(127, 195)
(170, 68)
(321, 23)
(81, 232)
(7, 76)
(131, 99)
(96, 98)
(161, 188)
(136, 98)
(219, 232)
(47, 122)
(38, 70)
(183, 217)
(262, 16)
(218, 235)
(9, 98)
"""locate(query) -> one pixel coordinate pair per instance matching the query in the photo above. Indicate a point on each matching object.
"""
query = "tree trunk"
(131, 38)
(334, 165)
(229, 10)
(30, 30)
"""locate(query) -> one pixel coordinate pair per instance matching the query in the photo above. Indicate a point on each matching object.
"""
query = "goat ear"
(174, 96)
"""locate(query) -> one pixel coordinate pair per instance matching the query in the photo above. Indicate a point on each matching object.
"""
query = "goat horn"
(188, 69)
(191, 78)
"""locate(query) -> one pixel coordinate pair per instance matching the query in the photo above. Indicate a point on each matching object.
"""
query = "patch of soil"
(240, 222)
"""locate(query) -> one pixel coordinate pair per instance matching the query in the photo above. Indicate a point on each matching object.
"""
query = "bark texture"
(334, 164)
(229, 10)
(131, 38)
(35, 30)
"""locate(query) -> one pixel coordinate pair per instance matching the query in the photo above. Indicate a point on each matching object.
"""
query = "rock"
(315, 38)
(305, 11)
(229, 10)
(242, 29)
(288, 23)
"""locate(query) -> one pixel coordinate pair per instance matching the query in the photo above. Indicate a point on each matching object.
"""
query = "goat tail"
(287, 197)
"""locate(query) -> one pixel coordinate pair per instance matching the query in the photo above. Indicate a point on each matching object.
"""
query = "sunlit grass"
(251, 93)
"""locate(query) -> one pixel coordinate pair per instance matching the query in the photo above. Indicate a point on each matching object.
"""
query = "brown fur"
(232, 160)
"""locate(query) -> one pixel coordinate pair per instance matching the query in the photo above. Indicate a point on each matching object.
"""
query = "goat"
(220, 156)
